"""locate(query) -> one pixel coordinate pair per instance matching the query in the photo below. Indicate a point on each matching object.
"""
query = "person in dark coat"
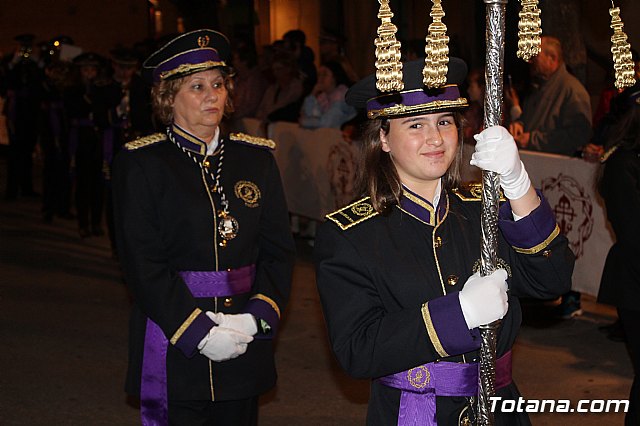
(54, 142)
(203, 235)
(398, 270)
(23, 88)
(128, 96)
(86, 109)
(620, 188)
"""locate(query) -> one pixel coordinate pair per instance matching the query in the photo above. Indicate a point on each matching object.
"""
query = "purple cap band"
(188, 61)
(414, 98)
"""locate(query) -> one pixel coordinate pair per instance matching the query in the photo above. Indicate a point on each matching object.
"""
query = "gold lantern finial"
(621, 50)
(436, 49)
(529, 30)
(388, 65)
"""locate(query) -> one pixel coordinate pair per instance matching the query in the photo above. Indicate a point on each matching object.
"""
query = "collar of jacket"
(187, 140)
(422, 209)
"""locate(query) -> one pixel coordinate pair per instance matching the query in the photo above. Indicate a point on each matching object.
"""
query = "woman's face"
(326, 80)
(198, 106)
(421, 147)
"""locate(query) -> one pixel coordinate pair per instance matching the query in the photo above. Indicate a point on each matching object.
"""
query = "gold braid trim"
(191, 68)
(401, 109)
(529, 30)
(431, 330)
(388, 65)
(622, 60)
(269, 300)
(436, 49)
(176, 336)
(254, 140)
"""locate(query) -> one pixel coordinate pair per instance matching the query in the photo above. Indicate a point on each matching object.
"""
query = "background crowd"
(75, 109)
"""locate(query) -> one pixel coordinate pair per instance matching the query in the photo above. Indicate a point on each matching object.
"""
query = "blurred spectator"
(296, 42)
(412, 49)
(332, 49)
(283, 98)
(618, 105)
(54, 133)
(128, 102)
(325, 106)
(23, 87)
(474, 114)
(249, 84)
(87, 112)
(620, 188)
(556, 116)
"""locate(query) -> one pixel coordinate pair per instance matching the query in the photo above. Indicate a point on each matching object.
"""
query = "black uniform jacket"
(166, 221)
(389, 287)
(620, 285)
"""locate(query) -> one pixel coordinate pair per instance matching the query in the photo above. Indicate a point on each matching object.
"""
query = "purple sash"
(153, 386)
(421, 385)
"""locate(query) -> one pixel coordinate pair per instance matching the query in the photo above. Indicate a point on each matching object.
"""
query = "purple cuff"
(532, 230)
(263, 310)
(188, 342)
(450, 326)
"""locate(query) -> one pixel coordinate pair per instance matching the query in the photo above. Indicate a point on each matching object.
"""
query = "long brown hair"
(164, 93)
(379, 178)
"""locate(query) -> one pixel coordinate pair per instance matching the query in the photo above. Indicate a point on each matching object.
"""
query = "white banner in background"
(318, 168)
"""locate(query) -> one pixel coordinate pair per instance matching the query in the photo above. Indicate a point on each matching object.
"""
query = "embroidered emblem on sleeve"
(353, 214)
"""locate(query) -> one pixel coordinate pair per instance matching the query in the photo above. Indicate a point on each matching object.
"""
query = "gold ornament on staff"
(388, 65)
(437, 49)
(529, 30)
(622, 60)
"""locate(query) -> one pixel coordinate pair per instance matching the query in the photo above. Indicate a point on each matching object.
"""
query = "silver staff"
(494, 70)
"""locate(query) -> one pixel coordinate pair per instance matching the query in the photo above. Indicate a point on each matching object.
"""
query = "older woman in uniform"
(397, 271)
(203, 230)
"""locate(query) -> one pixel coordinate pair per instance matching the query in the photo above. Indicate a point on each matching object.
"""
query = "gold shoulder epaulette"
(253, 140)
(353, 214)
(473, 192)
(145, 141)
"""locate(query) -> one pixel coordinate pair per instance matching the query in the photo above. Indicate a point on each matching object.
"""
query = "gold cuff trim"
(413, 109)
(542, 245)
(270, 301)
(176, 336)
(431, 330)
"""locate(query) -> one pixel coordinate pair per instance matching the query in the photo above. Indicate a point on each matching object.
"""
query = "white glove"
(222, 344)
(496, 151)
(484, 299)
(244, 323)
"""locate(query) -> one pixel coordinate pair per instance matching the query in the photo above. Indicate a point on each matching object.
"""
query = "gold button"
(546, 253)
(206, 164)
(228, 302)
(437, 242)
(452, 280)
